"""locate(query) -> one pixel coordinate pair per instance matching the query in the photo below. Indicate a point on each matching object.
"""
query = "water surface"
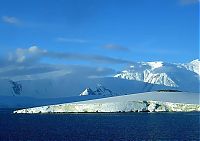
(99, 127)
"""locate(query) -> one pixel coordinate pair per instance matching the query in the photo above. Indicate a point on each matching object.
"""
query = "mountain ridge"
(146, 76)
(168, 74)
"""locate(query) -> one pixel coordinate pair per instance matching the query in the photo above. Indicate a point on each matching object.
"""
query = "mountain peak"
(195, 62)
(87, 91)
(155, 65)
(193, 66)
(100, 90)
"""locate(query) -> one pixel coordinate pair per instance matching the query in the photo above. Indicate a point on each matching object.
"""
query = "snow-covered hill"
(183, 76)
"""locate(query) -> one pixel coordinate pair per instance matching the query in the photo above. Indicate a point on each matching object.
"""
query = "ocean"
(99, 126)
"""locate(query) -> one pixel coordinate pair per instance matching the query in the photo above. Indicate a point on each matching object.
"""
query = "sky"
(99, 33)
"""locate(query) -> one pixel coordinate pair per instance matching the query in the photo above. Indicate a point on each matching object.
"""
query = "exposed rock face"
(129, 106)
(147, 76)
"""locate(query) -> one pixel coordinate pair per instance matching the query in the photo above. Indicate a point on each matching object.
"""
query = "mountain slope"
(183, 76)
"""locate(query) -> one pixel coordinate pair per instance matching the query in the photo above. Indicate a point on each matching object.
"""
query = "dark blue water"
(99, 127)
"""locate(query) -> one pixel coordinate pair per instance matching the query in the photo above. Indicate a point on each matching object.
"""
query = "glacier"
(142, 102)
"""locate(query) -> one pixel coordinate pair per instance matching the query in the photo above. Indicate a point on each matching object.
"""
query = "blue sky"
(115, 31)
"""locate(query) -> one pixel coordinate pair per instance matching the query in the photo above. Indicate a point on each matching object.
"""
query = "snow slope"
(25, 102)
(174, 97)
(66, 86)
(151, 101)
(39, 92)
(193, 66)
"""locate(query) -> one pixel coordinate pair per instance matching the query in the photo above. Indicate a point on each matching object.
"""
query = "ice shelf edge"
(128, 106)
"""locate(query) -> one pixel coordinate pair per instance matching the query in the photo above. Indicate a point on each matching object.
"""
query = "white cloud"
(24, 55)
(36, 50)
(10, 20)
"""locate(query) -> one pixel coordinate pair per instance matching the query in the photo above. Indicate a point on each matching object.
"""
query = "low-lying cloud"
(46, 71)
(34, 54)
(26, 63)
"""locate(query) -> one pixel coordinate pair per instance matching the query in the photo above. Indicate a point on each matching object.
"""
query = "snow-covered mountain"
(87, 91)
(66, 86)
(140, 77)
(183, 76)
(100, 90)
(193, 66)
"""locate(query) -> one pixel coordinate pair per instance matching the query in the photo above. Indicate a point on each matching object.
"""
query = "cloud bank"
(35, 54)
(25, 63)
